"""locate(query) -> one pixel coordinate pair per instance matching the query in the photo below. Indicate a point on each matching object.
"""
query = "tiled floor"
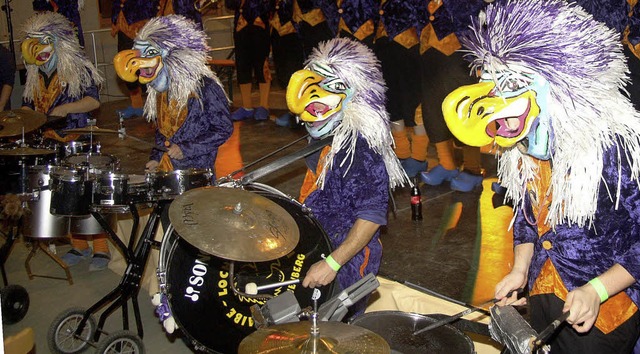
(460, 249)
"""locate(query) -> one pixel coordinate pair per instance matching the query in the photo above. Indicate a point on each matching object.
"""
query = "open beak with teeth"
(477, 116)
(36, 53)
(131, 67)
(308, 100)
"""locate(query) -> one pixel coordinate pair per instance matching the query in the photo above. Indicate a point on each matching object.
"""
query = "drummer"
(62, 82)
(185, 98)
(347, 184)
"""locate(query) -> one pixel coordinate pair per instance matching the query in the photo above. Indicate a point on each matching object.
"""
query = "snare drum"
(96, 163)
(71, 192)
(198, 285)
(168, 185)
(40, 222)
(397, 329)
(13, 166)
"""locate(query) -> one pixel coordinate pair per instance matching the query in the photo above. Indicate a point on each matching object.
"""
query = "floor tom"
(40, 222)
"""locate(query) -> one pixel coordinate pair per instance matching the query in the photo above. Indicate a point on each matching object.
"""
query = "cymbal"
(25, 151)
(14, 121)
(234, 224)
(295, 337)
(91, 129)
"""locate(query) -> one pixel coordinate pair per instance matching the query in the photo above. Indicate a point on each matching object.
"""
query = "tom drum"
(168, 185)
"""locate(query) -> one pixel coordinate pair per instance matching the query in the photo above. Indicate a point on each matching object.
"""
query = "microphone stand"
(7, 9)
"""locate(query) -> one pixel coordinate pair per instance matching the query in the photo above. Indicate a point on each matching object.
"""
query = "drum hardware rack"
(136, 256)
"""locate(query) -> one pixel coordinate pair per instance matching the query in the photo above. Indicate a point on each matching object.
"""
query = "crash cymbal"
(14, 121)
(25, 151)
(234, 224)
(295, 337)
(91, 129)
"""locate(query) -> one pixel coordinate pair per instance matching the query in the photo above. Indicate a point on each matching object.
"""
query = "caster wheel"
(61, 336)
(121, 342)
(15, 303)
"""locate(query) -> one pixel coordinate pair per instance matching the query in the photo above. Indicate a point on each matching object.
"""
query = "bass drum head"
(202, 302)
(397, 329)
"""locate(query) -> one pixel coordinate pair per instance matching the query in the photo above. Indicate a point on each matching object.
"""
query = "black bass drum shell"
(200, 297)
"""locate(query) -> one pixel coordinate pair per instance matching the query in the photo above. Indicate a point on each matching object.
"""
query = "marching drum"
(197, 285)
(71, 192)
(397, 329)
(168, 185)
(95, 162)
(41, 223)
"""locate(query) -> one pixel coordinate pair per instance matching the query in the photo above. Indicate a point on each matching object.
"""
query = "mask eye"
(46, 40)
(335, 86)
(152, 52)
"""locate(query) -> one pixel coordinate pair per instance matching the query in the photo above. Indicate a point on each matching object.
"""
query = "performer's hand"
(584, 304)
(151, 166)
(512, 281)
(175, 152)
(319, 274)
(59, 111)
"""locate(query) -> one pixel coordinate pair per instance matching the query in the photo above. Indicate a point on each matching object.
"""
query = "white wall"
(219, 30)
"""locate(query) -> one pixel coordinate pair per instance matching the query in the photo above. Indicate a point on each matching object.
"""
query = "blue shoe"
(438, 175)
(261, 113)
(284, 120)
(75, 256)
(412, 166)
(131, 112)
(242, 114)
(466, 182)
(99, 261)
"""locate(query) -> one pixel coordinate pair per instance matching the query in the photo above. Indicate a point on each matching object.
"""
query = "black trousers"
(252, 49)
(288, 56)
(546, 308)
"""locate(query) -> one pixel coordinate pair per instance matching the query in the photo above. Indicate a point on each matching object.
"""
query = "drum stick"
(452, 318)
(153, 146)
(253, 289)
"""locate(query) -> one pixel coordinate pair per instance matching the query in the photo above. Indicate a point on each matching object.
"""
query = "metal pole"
(7, 8)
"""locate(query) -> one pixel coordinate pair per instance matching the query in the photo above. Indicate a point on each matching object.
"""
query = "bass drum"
(211, 316)
(397, 329)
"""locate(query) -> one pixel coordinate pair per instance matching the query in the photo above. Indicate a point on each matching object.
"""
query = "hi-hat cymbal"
(91, 129)
(234, 224)
(295, 337)
(13, 122)
(25, 151)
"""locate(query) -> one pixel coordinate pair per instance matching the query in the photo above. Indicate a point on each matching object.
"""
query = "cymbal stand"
(136, 256)
(7, 9)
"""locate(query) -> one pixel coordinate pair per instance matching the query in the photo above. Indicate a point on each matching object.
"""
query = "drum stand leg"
(45, 248)
(129, 286)
(11, 237)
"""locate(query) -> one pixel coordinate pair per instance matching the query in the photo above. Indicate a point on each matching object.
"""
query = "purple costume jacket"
(134, 10)
(74, 120)
(361, 193)
(357, 13)
(206, 127)
(580, 254)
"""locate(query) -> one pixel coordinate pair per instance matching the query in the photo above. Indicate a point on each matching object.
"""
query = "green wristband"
(332, 263)
(600, 289)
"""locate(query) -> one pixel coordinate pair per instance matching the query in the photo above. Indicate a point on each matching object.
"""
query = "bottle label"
(416, 199)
